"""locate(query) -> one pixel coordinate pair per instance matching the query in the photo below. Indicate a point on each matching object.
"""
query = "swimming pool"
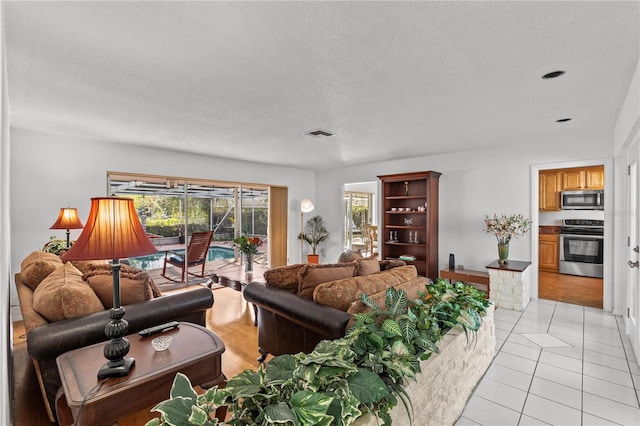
(156, 261)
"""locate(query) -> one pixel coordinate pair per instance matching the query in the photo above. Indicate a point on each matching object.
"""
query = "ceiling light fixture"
(563, 120)
(552, 74)
(319, 133)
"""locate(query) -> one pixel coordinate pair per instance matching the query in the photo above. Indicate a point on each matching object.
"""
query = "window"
(171, 208)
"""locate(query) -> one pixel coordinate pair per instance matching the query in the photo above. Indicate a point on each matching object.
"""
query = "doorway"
(360, 217)
(577, 286)
(633, 227)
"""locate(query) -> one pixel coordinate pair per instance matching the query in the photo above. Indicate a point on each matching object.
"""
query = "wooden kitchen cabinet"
(548, 252)
(595, 177)
(579, 178)
(410, 219)
(550, 184)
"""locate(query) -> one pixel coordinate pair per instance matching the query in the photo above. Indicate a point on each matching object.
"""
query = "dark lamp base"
(119, 369)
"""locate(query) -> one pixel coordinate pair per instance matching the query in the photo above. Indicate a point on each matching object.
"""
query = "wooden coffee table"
(233, 276)
(194, 351)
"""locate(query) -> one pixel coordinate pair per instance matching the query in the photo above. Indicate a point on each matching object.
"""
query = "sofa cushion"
(284, 277)
(349, 256)
(413, 288)
(391, 263)
(85, 266)
(340, 294)
(311, 275)
(136, 285)
(368, 265)
(64, 295)
(37, 266)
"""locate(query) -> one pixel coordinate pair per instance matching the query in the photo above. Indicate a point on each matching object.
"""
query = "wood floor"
(231, 318)
(583, 291)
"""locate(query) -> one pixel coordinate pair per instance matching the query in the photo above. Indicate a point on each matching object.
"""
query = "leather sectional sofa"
(293, 319)
(47, 340)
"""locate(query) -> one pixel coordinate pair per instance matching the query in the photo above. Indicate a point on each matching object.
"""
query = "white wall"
(626, 133)
(472, 184)
(49, 172)
(6, 348)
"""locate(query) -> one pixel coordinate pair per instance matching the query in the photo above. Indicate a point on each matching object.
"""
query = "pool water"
(156, 261)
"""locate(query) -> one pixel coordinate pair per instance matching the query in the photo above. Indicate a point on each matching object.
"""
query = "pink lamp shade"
(113, 231)
(68, 219)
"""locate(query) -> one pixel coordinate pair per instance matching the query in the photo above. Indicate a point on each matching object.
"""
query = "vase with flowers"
(249, 247)
(505, 228)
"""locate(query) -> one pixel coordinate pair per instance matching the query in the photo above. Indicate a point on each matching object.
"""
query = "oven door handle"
(597, 237)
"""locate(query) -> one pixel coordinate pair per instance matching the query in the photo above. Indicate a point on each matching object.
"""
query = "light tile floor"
(557, 364)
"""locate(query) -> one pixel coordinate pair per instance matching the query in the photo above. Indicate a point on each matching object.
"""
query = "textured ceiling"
(247, 80)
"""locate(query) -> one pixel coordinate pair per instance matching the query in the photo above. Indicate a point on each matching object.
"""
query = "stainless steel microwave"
(582, 200)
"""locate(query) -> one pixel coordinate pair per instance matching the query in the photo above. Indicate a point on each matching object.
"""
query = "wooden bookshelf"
(410, 219)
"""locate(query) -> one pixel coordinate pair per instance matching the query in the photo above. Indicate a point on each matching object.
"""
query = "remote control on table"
(158, 329)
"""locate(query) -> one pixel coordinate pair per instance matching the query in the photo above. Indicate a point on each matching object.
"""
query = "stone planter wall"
(441, 390)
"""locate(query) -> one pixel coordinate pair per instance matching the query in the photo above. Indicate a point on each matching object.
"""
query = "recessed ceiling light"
(563, 120)
(552, 74)
(319, 133)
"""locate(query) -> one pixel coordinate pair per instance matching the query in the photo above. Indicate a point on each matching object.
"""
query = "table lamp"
(306, 206)
(67, 219)
(113, 232)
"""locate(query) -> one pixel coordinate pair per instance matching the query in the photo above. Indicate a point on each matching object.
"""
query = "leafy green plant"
(364, 372)
(56, 246)
(314, 233)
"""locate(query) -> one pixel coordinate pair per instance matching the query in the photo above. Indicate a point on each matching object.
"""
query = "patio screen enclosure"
(171, 208)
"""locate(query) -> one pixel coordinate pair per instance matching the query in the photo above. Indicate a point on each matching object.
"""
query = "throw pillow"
(391, 263)
(85, 266)
(64, 295)
(368, 265)
(340, 294)
(37, 266)
(283, 277)
(136, 285)
(413, 288)
(311, 275)
(349, 256)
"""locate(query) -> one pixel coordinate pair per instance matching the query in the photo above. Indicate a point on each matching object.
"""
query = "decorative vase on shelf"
(503, 252)
(248, 266)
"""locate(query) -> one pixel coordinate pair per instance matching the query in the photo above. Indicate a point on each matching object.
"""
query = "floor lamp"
(113, 232)
(306, 206)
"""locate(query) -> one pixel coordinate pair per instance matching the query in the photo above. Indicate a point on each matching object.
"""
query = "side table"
(194, 351)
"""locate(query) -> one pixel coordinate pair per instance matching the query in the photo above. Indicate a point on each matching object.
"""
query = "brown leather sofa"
(289, 323)
(46, 341)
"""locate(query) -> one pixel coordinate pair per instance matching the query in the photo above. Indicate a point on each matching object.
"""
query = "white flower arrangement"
(506, 227)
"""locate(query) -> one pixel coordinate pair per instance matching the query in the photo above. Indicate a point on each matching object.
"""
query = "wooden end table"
(194, 351)
(467, 276)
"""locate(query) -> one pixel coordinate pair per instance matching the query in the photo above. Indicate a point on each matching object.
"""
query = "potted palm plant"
(314, 233)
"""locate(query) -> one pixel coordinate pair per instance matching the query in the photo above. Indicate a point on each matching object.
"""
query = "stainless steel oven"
(581, 247)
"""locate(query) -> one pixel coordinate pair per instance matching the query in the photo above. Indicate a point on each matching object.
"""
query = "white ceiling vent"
(319, 133)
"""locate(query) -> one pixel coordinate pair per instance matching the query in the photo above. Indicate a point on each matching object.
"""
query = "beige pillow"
(64, 295)
(85, 266)
(284, 277)
(349, 256)
(311, 275)
(368, 265)
(37, 266)
(391, 263)
(136, 285)
(413, 288)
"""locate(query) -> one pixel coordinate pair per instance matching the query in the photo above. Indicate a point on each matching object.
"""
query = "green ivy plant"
(342, 379)
(56, 246)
